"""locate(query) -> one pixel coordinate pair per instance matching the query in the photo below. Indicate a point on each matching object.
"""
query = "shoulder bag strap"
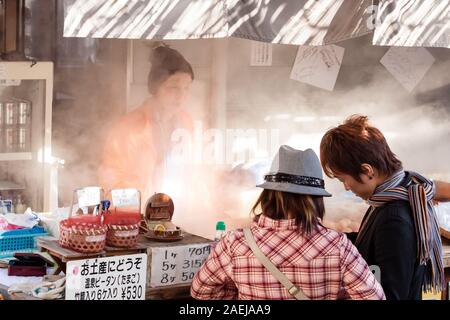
(292, 289)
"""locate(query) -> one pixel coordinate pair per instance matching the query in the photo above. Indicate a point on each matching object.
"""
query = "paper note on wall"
(176, 265)
(111, 278)
(408, 65)
(10, 82)
(318, 65)
(261, 54)
(2, 71)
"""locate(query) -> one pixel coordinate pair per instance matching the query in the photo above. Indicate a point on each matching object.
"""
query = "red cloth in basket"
(117, 217)
(85, 218)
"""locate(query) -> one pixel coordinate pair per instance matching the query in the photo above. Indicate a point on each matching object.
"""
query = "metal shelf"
(14, 156)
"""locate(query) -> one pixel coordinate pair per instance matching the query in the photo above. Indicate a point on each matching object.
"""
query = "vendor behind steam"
(138, 144)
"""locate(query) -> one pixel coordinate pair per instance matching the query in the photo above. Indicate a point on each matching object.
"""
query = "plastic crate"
(23, 240)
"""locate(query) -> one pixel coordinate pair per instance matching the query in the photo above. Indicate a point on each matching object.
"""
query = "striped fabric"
(325, 265)
(419, 192)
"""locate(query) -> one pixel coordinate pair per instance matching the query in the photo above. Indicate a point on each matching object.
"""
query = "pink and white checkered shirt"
(324, 265)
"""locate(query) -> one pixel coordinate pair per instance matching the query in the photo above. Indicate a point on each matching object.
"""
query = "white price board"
(176, 265)
(112, 278)
(125, 197)
(89, 196)
(318, 65)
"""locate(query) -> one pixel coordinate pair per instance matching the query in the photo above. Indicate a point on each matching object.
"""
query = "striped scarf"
(419, 192)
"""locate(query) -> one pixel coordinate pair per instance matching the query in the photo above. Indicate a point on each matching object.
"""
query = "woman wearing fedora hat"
(399, 232)
(287, 253)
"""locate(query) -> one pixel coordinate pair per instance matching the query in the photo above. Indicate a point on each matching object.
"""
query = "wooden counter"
(144, 245)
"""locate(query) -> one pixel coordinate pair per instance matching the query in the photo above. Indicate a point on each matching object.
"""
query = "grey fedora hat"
(296, 171)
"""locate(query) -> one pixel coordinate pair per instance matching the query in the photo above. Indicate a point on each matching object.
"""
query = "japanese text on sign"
(113, 278)
(125, 197)
(175, 265)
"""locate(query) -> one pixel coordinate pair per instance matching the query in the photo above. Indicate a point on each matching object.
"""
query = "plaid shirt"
(324, 265)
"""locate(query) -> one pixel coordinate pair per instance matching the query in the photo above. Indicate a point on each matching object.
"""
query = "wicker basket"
(123, 218)
(123, 236)
(82, 232)
(82, 237)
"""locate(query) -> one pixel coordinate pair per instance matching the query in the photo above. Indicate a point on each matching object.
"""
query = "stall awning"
(413, 23)
(298, 22)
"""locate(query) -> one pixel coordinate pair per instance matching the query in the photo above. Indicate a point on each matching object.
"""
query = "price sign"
(125, 197)
(176, 265)
(89, 196)
(112, 278)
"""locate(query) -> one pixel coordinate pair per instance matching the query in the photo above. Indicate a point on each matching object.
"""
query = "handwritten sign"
(112, 278)
(175, 265)
(9, 82)
(261, 54)
(318, 66)
(125, 197)
(89, 196)
(2, 70)
(408, 65)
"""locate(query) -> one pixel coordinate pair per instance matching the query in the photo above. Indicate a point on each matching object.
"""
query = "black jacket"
(390, 243)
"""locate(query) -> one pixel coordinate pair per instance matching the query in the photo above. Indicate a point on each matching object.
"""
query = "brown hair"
(166, 62)
(279, 205)
(345, 148)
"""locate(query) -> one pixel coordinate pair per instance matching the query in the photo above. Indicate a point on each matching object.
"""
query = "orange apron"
(135, 150)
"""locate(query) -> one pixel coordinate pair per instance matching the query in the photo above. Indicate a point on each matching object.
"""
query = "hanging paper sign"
(318, 65)
(176, 265)
(2, 71)
(408, 65)
(125, 197)
(9, 82)
(89, 196)
(112, 278)
(261, 54)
